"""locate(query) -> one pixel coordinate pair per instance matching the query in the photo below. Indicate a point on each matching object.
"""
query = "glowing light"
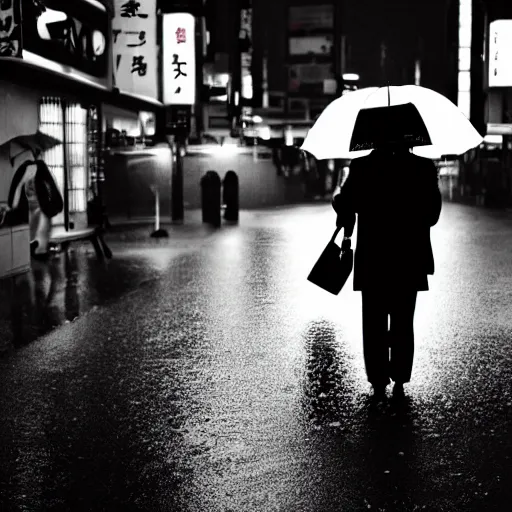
(464, 79)
(265, 132)
(493, 139)
(350, 76)
(226, 150)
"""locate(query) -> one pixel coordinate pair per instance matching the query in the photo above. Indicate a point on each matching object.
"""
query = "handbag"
(333, 267)
(48, 194)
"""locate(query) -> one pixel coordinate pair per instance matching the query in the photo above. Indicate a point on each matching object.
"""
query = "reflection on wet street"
(74, 282)
(228, 382)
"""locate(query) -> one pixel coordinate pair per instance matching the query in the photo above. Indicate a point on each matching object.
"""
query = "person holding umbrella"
(394, 196)
(34, 182)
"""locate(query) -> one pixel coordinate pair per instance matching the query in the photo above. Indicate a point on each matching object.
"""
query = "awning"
(62, 80)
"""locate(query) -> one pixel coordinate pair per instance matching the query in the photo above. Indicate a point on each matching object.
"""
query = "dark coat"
(396, 198)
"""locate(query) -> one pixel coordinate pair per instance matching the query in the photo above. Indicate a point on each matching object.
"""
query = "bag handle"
(335, 234)
(346, 244)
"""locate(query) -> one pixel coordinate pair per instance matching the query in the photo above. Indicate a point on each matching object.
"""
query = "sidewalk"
(74, 283)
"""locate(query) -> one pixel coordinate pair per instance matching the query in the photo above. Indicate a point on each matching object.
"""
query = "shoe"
(398, 390)
(379, 390)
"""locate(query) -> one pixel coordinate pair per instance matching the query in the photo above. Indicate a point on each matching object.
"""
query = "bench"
(92, 234)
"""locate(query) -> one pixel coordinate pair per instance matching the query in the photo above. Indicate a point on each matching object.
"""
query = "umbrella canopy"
(397, 123)
(449, 130)
(36, 142)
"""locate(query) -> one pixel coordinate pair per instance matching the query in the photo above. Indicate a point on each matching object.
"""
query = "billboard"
(134, 46)
(179, 59)
(500, 53)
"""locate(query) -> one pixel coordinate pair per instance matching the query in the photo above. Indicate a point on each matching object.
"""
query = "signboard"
(307, 18)
(72, 34)
(134, 46)
(179, 59)
(500, 53)
(499, 128)
(317, 45)
(245, 44)
(10, 28)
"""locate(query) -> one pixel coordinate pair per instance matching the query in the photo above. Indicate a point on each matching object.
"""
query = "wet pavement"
(73, 283)
(211, 376)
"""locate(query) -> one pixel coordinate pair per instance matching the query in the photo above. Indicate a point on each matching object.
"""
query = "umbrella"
(36, 142)
(397, 123)
(450, 132)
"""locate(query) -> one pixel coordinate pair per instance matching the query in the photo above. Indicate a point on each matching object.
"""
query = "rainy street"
(226, 382)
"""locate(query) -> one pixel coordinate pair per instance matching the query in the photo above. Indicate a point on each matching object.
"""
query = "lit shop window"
(68, 123)
(76, 149)
(51, 122)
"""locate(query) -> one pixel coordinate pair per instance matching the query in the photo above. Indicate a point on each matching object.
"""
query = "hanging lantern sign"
(179, 59)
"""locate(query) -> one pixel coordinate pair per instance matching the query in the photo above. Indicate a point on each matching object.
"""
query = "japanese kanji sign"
(500, 53)
(10, 28)
(179, 59)
(134, 46)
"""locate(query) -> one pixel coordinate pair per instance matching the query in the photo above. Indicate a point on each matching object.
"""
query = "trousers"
(388, 335)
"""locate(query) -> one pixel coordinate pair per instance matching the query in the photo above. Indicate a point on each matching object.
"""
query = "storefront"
(61, 83)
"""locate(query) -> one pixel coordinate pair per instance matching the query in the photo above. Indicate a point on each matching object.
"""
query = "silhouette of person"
(396, 198)
(40, 224)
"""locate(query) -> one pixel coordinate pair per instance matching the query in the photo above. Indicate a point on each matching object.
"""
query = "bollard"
(210, 198)
(230, 194)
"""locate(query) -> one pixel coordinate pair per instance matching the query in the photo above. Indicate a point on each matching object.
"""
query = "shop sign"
(499, 128)
(135, 47)
(70, 33)
(500, 53)
(179, 59)
(10, 28)
(245, 44)
(316, 45)
(310, 18)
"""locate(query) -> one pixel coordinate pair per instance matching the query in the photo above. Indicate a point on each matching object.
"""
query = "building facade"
(480, 82)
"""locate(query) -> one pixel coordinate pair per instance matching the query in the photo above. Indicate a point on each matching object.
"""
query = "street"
(229, 383)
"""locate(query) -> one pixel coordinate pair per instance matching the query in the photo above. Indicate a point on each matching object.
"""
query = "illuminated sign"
(179, 59)
(317, 45)
(135, 47)
(500, 53)
(464, 65)
(70, 33)
(10, 28)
